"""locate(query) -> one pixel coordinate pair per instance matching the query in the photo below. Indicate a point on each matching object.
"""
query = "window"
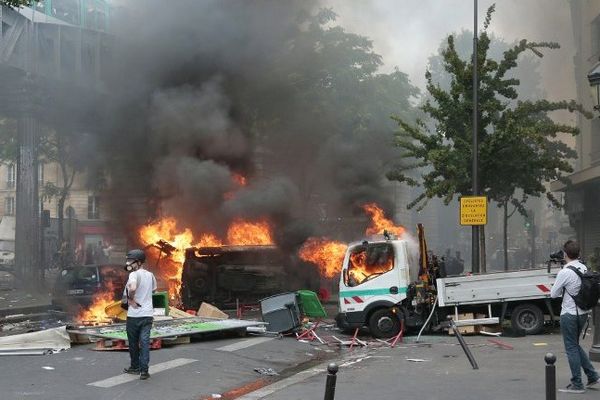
(9, 206)
(41, 174)
(11, 178)
(93, 207)
(595, 31)
(367, 262)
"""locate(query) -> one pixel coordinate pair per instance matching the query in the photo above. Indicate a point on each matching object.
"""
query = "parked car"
(76, 286)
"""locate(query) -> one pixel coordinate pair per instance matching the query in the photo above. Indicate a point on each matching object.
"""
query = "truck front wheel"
(383, 323)
(527, 317)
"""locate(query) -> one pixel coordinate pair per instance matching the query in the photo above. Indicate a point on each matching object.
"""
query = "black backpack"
(588, 295)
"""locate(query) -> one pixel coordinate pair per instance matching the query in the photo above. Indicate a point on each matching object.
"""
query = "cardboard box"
(209, 311)
(465, 330)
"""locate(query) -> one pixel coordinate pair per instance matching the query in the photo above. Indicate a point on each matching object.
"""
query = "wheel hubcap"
(527, 320)
(385, 324)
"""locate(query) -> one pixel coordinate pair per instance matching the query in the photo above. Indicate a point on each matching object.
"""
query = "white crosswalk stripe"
(245, 343)
(154, 369)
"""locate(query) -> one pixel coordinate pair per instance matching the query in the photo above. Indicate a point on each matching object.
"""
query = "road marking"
(245, 343)
(124, 378)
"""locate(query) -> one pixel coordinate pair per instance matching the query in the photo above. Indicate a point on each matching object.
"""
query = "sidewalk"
(15, 300)
(440, 370)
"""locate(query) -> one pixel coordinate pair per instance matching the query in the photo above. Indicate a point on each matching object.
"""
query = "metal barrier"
(550, 376)
(332, 370)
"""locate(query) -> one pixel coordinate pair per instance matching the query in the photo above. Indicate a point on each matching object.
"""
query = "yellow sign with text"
(473, 210)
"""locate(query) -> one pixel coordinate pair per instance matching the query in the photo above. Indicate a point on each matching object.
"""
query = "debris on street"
(48, 341)
(266, 371)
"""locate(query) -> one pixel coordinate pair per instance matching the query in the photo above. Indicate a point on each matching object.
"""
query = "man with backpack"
(575, 286)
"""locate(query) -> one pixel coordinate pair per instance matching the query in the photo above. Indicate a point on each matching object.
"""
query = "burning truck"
(227, 275)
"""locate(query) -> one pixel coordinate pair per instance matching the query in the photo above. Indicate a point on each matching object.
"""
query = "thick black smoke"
(203, 91)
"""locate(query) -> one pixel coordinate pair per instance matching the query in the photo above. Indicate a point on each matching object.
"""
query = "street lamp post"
(474, 168)
(594, 80)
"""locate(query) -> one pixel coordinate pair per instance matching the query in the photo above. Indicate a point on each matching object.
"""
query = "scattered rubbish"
(48, 368)
(416, 360)
(500, 344)
(266, 371)
(353, 342)
(309, 354)
(348, 363)
(450, 356)
(216, 396)
(256, 329)
(207, 310)
(48, 341)
(540, 344)
(490, 333)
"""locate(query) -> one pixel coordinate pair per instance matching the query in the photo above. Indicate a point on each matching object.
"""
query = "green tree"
(519, 144)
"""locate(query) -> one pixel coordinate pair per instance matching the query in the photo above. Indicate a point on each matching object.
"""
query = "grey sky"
(407, 32)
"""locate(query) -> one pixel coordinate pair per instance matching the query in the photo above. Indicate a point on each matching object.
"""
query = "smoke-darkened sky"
(407, 32)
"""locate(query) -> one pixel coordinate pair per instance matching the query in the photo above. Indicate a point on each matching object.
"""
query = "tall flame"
(239, 233)
(379, 222)
(249, 233)
(328, 255)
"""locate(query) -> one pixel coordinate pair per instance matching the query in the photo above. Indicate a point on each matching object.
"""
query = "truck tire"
(527, 317)
(383, 323)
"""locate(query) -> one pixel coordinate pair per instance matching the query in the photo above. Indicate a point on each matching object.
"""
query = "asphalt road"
(192, 371)
(434, 369)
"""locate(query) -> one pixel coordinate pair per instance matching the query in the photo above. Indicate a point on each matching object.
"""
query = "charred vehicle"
(228, 274)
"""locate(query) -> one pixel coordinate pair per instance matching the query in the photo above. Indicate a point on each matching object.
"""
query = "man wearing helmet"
(139, 288)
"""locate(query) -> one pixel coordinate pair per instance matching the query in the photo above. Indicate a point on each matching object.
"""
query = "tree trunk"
(61, 217)
(505, 235)
(27, 228)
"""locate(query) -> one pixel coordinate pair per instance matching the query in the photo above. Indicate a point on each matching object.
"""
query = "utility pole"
(475, 228)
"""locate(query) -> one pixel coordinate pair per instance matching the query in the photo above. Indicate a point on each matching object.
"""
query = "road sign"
(473, 210)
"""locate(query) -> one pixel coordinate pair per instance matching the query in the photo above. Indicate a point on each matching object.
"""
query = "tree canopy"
(519, 147)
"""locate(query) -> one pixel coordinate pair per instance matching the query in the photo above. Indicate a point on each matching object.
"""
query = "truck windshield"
(369, 261)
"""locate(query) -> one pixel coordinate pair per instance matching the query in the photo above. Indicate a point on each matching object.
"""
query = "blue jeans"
(138, 336)
(571, 327)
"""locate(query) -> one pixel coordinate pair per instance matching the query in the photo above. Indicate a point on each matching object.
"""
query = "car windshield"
(79, 275)
(369, 261)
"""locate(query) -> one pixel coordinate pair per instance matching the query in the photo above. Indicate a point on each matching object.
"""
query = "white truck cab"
(383, 283)
(374, 281)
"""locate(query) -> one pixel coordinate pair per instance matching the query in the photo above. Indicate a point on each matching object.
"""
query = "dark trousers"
(571, 327)
(138, 336)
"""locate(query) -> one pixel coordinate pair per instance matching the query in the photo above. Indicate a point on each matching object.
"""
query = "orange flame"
(360, 269)
(247, 233)
(240, 233)
(379, 222)
(328, 255)
(96, 312)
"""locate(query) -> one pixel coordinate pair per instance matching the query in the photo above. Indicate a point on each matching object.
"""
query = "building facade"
(582, 193)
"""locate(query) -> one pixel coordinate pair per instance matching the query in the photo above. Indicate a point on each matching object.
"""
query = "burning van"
(226, 274)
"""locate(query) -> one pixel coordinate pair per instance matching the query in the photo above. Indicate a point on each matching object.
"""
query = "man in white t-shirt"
(573, 319)
(139, 288)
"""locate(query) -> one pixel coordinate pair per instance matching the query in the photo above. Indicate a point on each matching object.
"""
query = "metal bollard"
(332, 370)
(550, 376)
